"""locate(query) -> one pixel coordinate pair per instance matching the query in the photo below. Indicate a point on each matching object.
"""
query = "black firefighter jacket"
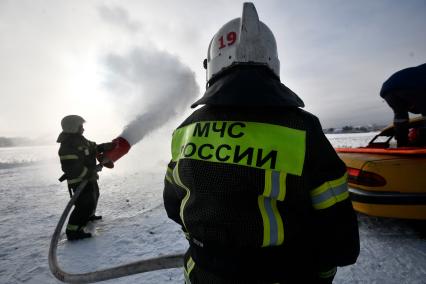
(78, 157)
(256, 186)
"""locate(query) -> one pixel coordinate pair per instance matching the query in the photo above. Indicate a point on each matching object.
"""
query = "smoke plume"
(154, 82)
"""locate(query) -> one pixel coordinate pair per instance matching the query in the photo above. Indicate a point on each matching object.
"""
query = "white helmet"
(241, 41)
(72, 123)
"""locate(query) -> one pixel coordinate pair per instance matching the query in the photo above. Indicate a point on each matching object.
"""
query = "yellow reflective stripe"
(169, 179)
(268, 177)
(273, 228)
(280, 225)
(187, 235)
(68, 157)
(80, 177)
(72, 227)
(330, 192)
(190, 265)
(169, 175)
(73, 181)
(332, 183)
(185, 274)
(265, 219)
(275, 189)
(188, 269)
(332, 201)
(275, 184)
(187, 195)
(169, 171)
(283, 188)
(328, 273)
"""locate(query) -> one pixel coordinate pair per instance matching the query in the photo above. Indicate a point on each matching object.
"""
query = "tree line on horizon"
(354, 129)
(18, 141)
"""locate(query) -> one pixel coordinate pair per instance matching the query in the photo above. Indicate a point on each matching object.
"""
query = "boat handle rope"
(141, 266)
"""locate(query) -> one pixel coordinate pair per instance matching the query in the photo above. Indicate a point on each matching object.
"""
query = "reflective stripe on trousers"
(72, 227)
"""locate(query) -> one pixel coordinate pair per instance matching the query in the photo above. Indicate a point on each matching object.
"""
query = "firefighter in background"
(405, 91)
(260, 193)
(78, 161)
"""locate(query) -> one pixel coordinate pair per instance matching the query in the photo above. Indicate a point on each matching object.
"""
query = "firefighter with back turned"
(260, 193)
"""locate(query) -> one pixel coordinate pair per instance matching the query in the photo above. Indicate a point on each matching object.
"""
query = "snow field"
(135, 226)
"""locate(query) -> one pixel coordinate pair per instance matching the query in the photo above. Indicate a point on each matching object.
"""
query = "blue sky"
(334, 54)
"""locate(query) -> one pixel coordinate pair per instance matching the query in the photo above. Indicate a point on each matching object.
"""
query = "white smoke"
(155, 82)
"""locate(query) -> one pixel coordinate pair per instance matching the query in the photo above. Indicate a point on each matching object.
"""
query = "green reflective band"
(79, 178)
(187, 194)
(273, 228)
(330, 192)
(72, 227)
(253, 144)
(68, 157)
(328, 273)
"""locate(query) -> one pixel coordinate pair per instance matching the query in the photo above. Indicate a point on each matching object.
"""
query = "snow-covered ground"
(135, 225)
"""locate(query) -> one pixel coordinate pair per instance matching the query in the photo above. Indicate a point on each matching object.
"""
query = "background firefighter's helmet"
(244, 40)
(72, 123)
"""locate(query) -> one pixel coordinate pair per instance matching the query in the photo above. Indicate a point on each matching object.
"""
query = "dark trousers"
(195, 274)
(85, 205)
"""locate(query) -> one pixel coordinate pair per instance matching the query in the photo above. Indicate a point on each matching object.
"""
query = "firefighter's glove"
(105, 147)
(105, 161)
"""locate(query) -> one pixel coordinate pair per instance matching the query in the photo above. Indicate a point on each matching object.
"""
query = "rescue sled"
(386, 181)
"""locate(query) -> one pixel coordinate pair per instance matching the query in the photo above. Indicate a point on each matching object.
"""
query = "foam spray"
(160, 83)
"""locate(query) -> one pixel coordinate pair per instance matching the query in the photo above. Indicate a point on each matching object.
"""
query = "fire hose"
(162, 262)
(146, 265)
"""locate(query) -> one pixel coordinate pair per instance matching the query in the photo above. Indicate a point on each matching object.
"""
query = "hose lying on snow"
(162, 262)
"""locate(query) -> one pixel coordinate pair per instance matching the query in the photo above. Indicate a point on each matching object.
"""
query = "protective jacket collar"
(249, 86)
(64, 136)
